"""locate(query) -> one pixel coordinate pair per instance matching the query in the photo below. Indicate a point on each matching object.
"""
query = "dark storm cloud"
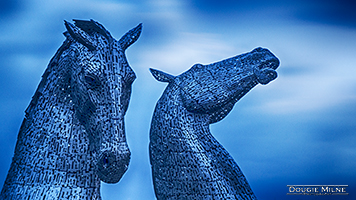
(9, 7)
(338, 12)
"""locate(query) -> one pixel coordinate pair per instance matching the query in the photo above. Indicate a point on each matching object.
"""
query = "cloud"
(315, 73)
(330, 12)
(326, 12)
(10, 7)
(185, 50)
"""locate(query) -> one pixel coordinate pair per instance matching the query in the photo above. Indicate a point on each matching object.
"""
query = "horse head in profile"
(73, 134)
(187, 161)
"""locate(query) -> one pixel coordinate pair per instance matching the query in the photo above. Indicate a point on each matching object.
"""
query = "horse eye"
(92, 81)
(130, 78)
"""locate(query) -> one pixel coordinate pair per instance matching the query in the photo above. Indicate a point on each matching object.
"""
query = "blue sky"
(299, 129)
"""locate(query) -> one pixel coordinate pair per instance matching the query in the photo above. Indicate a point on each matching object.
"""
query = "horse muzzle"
(266, 72)
(111, 167)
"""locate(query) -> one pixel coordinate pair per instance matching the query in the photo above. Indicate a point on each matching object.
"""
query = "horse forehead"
(115, 62)
(108, 59)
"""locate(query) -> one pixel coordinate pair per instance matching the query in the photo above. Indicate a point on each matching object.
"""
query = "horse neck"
(170, 106)
(175, 129)
(184, 153)
(52, 148)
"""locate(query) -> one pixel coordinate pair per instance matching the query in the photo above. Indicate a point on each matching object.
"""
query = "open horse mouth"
(112, 167)
(266, 71)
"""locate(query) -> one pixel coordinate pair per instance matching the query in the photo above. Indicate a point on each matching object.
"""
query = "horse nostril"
(105, 160)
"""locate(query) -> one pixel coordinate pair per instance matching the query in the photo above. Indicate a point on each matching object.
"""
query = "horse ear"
(161, 76)
(79, 35)
(130, 37)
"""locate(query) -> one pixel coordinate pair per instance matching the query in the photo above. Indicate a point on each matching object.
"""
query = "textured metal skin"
(187, 161)
(73, 134)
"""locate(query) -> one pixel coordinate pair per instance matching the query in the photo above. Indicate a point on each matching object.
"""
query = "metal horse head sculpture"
(187, 161)
(73, 134)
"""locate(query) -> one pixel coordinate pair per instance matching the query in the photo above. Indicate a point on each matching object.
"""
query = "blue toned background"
(299, 129)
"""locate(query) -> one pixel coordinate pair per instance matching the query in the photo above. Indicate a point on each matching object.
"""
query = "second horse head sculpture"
(187, 161)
